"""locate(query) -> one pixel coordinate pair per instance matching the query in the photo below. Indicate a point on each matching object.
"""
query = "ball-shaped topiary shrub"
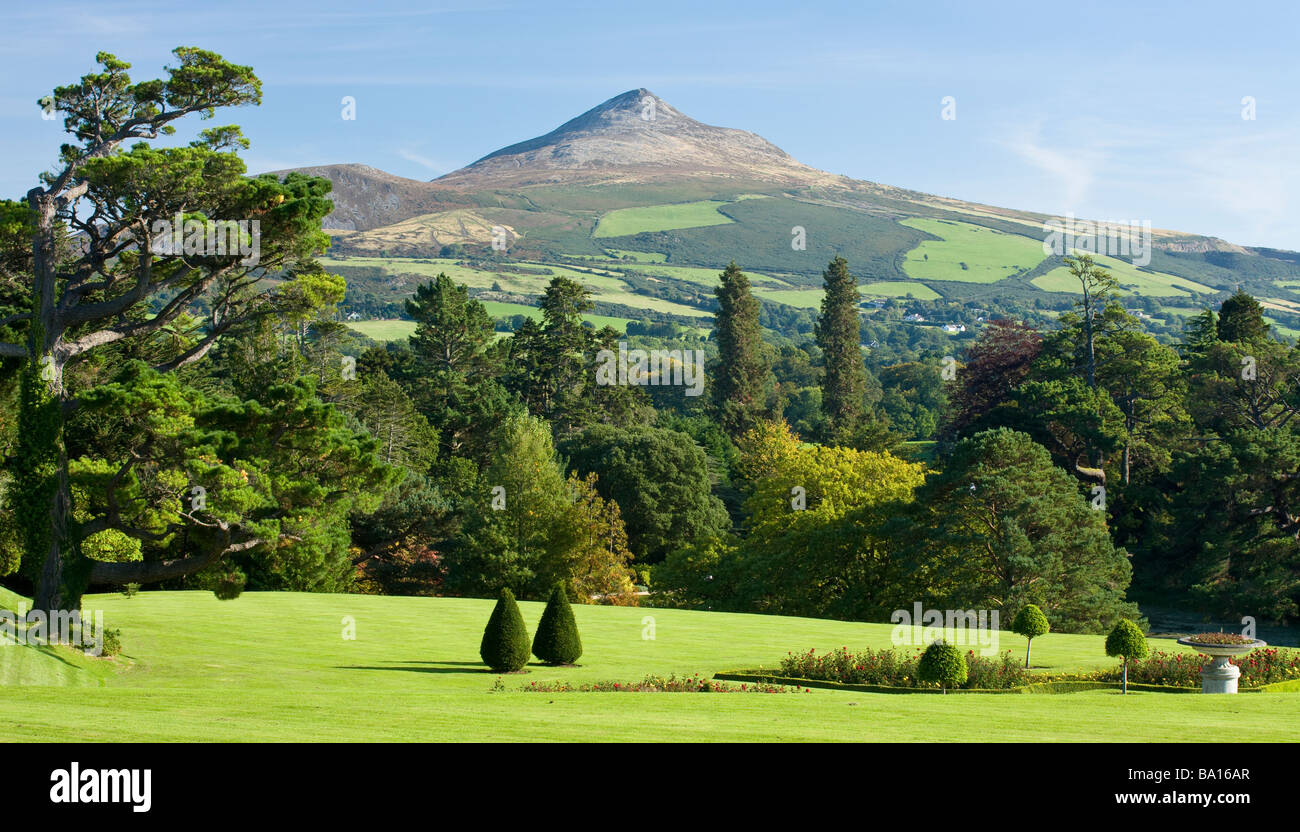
(1126, 640)
(505, 643)
(942, 663)
(557, 640)
(1030, 623)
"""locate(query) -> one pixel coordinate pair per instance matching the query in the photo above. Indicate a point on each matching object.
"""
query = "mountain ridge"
(637, 138)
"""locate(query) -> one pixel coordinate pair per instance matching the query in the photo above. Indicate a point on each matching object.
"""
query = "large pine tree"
(1001, 526)
(1241, 319)
(740, 377)
(457, 362)
(552, 365)
(844, 380)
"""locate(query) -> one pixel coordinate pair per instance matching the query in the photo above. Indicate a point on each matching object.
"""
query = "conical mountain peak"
(635, 135)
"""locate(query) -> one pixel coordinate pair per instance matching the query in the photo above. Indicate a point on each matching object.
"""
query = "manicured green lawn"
(273, 666)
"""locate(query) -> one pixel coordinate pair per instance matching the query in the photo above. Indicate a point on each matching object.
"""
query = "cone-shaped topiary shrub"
(505, 641)
(1030, 623)
(1128, 641)
(942, 663)
(557, 640)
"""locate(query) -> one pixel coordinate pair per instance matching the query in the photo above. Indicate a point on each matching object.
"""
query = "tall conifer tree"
(844, 381)
(740, 378)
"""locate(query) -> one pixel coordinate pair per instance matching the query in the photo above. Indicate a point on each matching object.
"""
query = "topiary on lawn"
(1128, 641)
(505, 640)
(557, 640)
(1030, 623)
(942, 663)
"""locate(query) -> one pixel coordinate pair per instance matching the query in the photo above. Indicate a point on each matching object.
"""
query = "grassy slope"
(761, 236)
(272, 666)
(396, 330)
(989, 255)
(605, 283)
(1131, 278)
(898, 289)
(25, 665)
(626, 221)
(387, 330)
(812, 298)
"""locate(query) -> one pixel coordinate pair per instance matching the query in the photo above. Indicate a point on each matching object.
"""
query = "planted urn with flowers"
(1220, 675)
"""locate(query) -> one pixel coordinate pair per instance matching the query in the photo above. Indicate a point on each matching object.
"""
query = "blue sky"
(1107, 110)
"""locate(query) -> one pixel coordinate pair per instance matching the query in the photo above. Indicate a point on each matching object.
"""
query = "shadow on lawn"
(425, 667)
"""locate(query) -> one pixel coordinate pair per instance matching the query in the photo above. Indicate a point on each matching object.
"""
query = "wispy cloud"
(423, 161)
(1253, 177)
(1074, 169)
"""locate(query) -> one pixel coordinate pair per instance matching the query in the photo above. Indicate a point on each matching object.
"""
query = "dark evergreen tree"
(505, 645)
(1241, 319)
(1233, 525)
(102, 295)
(557, 640)
(1001, 526)
(844, 381)
(565, 360)
(1199, 333)
(456, 362)
(740, 376)
(660, 480)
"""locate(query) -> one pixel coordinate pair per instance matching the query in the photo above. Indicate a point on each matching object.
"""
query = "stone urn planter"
(1220, 676)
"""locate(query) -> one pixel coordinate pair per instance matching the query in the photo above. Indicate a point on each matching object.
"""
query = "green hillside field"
(275, 667)
(626, 221)
(812, 298)
(967, 253)
(1131, 280)
(397, 330)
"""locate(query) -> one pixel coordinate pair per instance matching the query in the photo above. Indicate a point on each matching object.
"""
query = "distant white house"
(954, 328)
(353, 316)
(915, 317)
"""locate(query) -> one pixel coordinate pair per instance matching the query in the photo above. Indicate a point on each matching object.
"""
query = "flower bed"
(1261, 667)
(1219, 638)
(1067, 686)
(894, 669)
(657, 684)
